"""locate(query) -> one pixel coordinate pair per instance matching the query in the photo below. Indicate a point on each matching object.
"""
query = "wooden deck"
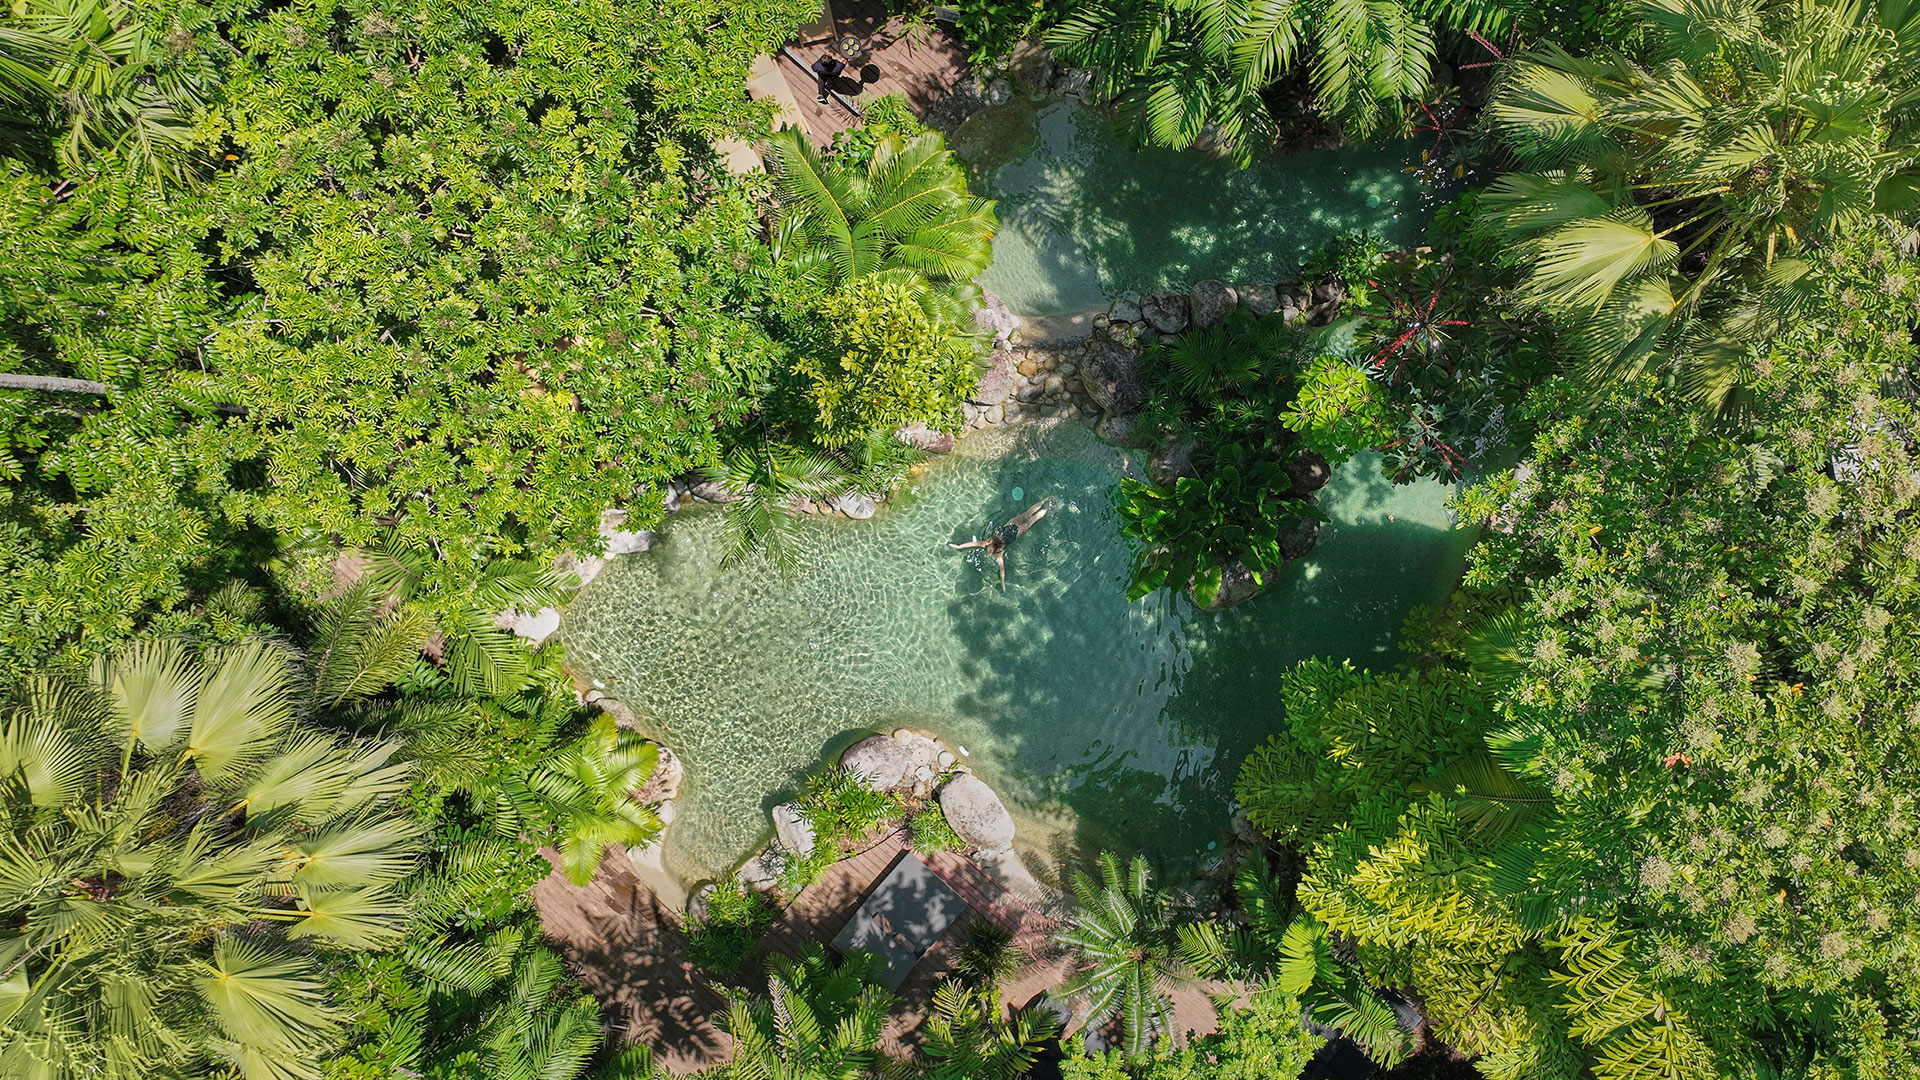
(923, 63)
(630, 952)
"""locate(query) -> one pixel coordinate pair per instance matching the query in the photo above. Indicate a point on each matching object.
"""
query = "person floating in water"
(996, 545)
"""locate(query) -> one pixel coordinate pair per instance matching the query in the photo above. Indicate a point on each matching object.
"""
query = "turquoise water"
(1085, 216)
(1102, 723)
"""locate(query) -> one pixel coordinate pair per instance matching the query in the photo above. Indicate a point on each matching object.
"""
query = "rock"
(1123, 431)
(1310, 473)
(1243, 827)
(997, 381)
(1076, 82)
(856, 505)
(997, 415)
(996, 92)
(976, 813)
(714, 492)
(1111, 379)
(759, 873)
(1028, 367)
(1259, 300)
(946, 759)
(1031, 69)
(1171, 461)
(922, 437)
(1297, 541)
(671, 500)
(619, 541)
(1055, 383)
(1329, 292)
(881, 761)
(994, 320)
(1212, 300)
(1126, 309)
(667, 812)
(793, 830)
(536, 627)
(664, 785)
(1237, 586)
(1068, 369)
(1166, 313)
(699, 902)
(922, 773)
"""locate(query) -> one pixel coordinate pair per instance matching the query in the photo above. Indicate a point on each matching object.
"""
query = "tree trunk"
(10, 381)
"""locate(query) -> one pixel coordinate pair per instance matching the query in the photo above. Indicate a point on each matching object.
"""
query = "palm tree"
(765, 480)
(966, 1039)
(480, 656)
(819, 1020)
(1125, 950)
(1669, 210)
(906, 216)
(104, 85)
(177, 847)
(576, 794)
(1181, 70)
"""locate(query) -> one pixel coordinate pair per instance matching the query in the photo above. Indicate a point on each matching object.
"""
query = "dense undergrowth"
(372, 309)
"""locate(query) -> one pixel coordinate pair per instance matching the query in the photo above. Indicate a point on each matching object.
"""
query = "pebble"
(1028, 366)
(1068, 368)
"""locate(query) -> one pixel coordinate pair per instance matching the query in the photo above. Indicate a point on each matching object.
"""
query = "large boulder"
(793, 830)
(1171, 461)
(1297, 541)
(1126, 431)
(1126, 309)
(618, 540)
(857, 505)
(1237, 586)
(1259, 300)
(1111, 378)
(714, 492)
(1167, 313)
(1309, 471)
(1211, 302)
(1031, 69)
(997, 382)
(881, 761)
(922, 437)
(976, 813)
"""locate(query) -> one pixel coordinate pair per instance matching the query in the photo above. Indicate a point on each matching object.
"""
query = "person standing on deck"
(825, 70)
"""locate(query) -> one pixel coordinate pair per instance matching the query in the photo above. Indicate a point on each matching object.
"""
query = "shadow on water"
(1086, 215)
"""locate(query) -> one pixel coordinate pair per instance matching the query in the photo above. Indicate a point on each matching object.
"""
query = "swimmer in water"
(996, 545)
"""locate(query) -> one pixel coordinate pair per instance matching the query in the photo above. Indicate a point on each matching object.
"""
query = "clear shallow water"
(1102, 723)
(1084, 215)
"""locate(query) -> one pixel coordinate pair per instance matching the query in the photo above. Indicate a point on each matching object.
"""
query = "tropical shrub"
(843, 810)
(725, 938)
(930, 832)
(887, 364)
(180, 852)
(1192, 531)
(819, 1018)
(1338, 411)
(968, 1039)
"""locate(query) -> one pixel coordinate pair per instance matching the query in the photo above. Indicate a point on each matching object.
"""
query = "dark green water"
(1085, 216)
(1103, 724)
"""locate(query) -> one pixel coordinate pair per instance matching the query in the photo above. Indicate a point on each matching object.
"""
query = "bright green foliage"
(489, 298)
(1338, 411)
(727, 936)
(1185, 73)
(499, 1008)
(931, 832)
(1260, 1043)
(906, 216)
(98, 86)
(176, 845)
(108, 517)
(1192, 532)
(967, 1039)
(888, 363)
(575, 794)
(819, 1020)
(1674, 211)
(1125, 951)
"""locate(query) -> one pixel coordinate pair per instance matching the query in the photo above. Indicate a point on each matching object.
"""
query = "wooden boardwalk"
(921, 62)
(630, 952)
